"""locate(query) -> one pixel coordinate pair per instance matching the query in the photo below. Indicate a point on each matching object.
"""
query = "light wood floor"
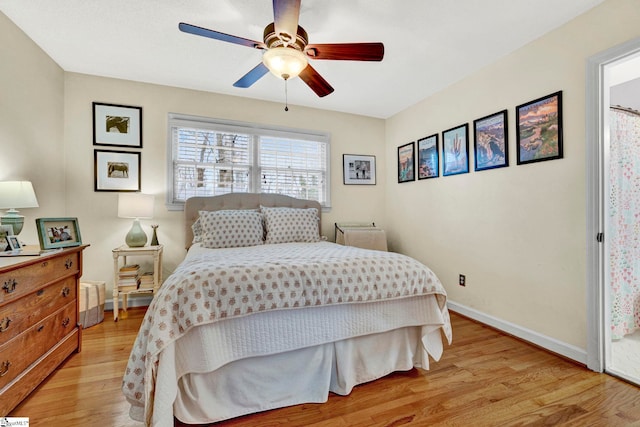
(484, 379)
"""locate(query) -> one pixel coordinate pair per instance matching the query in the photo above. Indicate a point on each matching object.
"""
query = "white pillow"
(231, 228)
(285, 225)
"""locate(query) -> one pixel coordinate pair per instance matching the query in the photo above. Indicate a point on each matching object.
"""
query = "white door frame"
(597, 134)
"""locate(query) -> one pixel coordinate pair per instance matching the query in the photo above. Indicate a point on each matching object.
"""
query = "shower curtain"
(624, 220)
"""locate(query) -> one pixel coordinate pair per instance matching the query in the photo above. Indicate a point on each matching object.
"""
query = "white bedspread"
(271, 283)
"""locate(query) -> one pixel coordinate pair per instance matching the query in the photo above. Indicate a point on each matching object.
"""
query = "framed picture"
(58, 232)
(116, 171)
(455, 150)
(428, 159)
(13, 243)
(5, 230)
(406, 162)
(490, 141)
(359, 169)
(539, 133)
(117, 125)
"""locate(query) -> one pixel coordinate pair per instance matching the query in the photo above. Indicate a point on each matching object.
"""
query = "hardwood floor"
(484, 379)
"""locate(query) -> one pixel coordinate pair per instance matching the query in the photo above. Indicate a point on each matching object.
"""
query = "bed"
(261, 296)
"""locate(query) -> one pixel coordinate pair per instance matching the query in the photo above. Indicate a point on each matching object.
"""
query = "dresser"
(38, 319)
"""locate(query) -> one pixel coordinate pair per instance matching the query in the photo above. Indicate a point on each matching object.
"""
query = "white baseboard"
(142, 301)
(567, 350)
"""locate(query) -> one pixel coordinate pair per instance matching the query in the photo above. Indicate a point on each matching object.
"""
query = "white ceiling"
(429, 44)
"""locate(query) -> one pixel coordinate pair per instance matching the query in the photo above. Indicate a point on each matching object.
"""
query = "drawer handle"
(66, 291)
(10, 286)
(68, 263)
(4, 324)
(66, 322)
(45, 263)
(5, 368)
(40, 328)
(40, 292)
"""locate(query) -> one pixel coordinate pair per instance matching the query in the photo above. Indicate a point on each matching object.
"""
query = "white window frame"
(257, 130)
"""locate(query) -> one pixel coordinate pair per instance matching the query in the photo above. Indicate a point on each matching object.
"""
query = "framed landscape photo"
(117, 125)
(491, 142)
(428, 158)
(359, 169)
(58, 232)
(116, 171)
(406, 163)
(455, 150)
(539, 129)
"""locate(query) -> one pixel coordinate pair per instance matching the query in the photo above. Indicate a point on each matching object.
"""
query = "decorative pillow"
(285, 225)
(196, 228)
(231, 228)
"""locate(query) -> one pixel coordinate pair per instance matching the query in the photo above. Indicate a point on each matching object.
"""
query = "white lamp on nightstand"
(135, 205)
(16, 194)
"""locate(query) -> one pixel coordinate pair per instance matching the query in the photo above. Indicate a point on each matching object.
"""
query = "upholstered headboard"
(194, 205)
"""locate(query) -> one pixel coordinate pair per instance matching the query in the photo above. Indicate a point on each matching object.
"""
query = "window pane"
(210, 158)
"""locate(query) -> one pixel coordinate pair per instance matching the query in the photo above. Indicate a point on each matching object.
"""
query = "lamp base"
(14, 219)
(136, 237)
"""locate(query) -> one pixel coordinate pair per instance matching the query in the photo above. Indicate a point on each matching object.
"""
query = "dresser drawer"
(20, 315)
(17, 354)
(17, 283)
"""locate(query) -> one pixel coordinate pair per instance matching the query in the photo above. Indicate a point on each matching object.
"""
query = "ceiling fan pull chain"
(286, 96)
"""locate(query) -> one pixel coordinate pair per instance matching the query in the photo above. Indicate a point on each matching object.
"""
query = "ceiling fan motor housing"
(271, 39)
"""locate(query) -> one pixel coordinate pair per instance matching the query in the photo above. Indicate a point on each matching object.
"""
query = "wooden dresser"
(38, 319)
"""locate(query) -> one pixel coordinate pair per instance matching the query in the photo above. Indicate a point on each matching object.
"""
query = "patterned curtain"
(624, 212)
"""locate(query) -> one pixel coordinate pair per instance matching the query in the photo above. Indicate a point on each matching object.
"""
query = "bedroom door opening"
(613, 155)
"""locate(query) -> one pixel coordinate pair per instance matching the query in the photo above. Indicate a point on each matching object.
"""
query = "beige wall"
(31, 123)
(518, 233)
(97, 211)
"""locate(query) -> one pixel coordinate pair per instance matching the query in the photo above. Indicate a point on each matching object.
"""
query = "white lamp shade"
(135, 205)
(17, 194)
(284, 62)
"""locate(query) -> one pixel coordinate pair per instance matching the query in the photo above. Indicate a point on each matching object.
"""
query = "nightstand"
(122, 253)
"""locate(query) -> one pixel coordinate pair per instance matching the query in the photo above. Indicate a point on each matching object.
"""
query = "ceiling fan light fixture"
(285, 62)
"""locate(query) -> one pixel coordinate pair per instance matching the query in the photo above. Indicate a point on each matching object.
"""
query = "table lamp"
(16, 194)
(135, 205)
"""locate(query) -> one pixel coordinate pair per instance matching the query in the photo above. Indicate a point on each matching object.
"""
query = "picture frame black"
(13, 243)
(455, 150)
(539, 129)
(406, 163)
(117, 125)
(117, 170)
(56, 233)
(428, 157)
(358, 169)
(491, 141)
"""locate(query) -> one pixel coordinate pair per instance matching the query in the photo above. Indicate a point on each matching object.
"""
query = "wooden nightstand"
(123, 252)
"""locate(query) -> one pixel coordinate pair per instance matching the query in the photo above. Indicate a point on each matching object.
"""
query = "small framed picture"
(406, 162)
(13, 243)
(359, 169)
(5, 230)
(428, 159)
(490, 141)
(117, 125)
(455, 150)
(58, 232)
(116, 171)
(539, 131)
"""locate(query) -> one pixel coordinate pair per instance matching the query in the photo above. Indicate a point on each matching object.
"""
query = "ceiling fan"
(287, 49)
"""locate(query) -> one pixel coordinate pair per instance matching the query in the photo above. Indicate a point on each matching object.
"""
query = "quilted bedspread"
(212, 285)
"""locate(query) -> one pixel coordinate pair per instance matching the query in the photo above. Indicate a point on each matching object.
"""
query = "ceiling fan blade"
(285, 19)
(204, 32)
(252, 76)
(315, 81)
(346, 51)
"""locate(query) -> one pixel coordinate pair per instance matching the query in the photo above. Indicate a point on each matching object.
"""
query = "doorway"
(607, 350)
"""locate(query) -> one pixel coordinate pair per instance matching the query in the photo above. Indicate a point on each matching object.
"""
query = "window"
(209, 157)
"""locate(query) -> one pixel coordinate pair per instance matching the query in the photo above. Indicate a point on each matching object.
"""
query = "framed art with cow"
(116, 170)
(117, 125)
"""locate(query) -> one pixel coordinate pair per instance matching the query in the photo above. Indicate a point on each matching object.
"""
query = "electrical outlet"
(462, 280)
